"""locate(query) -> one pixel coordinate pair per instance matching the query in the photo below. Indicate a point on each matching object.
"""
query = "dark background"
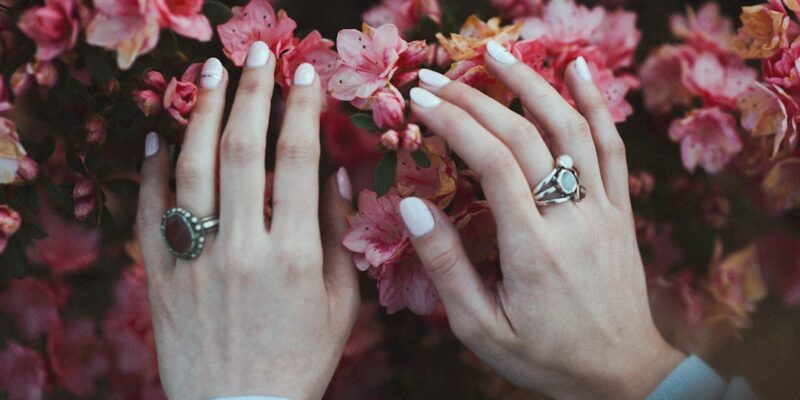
(768, 356)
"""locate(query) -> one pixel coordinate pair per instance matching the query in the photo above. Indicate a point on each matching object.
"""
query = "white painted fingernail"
(416, 216)
(500, 53)
(258, 55)
(211, 75)
(582, 68)
(424, 98)
(151, 144)
(305, 74)
(343, 182)
(433, 78)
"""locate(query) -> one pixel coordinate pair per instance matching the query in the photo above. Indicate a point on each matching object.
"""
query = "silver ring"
(184, 233)
(561, 185)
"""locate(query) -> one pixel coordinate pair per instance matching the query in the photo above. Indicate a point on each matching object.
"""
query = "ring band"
(560, 185)
(184, 233)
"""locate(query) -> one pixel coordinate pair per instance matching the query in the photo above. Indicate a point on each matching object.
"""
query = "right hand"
(571, 317)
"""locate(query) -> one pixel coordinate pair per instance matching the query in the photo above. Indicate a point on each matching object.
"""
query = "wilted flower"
(54, 27)
(735, 282)
(708, 138)
(781, 184)
(43, 74)
(764, 30)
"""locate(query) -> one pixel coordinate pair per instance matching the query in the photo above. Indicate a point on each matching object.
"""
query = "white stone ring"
(184, 233)
(561, 185)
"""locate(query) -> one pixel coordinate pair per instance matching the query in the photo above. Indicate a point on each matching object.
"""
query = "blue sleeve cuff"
(250, 398)
(694, 379)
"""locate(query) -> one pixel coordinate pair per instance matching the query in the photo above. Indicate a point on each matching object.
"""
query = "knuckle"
(444, 263)
(205, 107)
(499, 161)
(468, 330)
(298, 149)
(235, 146)
(252, 86)
(578, 127)
(522, 134)
(187, 172)
(302, 101)
(615, 147)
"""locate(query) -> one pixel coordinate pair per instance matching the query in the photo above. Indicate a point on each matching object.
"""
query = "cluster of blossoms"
(84, 81)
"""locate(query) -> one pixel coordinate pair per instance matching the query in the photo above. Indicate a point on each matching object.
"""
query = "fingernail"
(583, 69)
(304, 75)
(500, 53)
(258, 55)
(416, 216)
(151, 144)
(433, 78)
(211, 75)
(424, 98)
(343, 182)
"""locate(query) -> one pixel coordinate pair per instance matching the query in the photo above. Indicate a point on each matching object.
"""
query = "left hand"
(267, 307)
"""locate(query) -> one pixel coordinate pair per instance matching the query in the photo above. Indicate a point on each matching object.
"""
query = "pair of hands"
(268, 307)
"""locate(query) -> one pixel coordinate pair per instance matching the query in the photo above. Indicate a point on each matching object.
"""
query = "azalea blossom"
(708, 138)
(257, 21)
(782, 69)
(764, 30)
(69, 246)
(180, 96)
(780, 184)
(132, 27)
(767, 110)
(54, 27)
(404, 14)
(718, 82)
(436, 183)
(662, 74)
(377, 234)
(517, 8)
(705, 29)
(10, 222)
(34, 304)
(372, 61)
(77, 357)
(735, 281)
(312, 49)
(404, 284)
(22, 372)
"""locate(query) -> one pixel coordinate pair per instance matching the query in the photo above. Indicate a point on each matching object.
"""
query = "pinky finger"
(154, 198)
(609, 145)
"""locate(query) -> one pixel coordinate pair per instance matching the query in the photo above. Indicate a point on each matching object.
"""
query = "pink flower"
(563, 21)
(436, 183)
(185, 18)
(782, 69)
(735, 281)
(70, 246)
(345, 143)
(77, 357)
(11, 151)
(5, 103)
(84, 196)
(404, 14)
(377, 234)
(617, 38)
(132, 27)
(254, 22)
(662, 74)
(149, 101)
(313, 49)
(35, 306)
(154, 80)
(371, 60)
(10, 222)
(404, 284)
(388, 107)
(719, 82)
(707, 29)
(27, 171)
(708, 138)
(767, 110)
(22, 373)
(95, 130)
(517, 8)
(53, 27)
(180, 96)
(42, 73)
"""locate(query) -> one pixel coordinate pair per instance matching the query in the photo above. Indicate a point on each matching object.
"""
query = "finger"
(569, 131)
(196, 171)
(296, 195)
(610, 148)
(340, 274)
(470, 306)
(154, 198)
(243, 145)
(514, 130)
(503, 180)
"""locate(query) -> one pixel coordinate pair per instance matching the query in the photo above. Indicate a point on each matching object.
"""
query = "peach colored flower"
(54, 27)
(22, 373)
(708, 138)
(257, 21)
(781, 182)
(404, 14)
(766, 110)
(763, 32)
(436, 183)
(735, 282)
(11, 151)
(471, 40)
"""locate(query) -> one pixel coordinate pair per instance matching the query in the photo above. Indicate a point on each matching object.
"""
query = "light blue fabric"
(250, 398)
(694, 380)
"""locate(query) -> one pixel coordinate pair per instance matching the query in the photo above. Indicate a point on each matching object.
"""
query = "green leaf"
(167, 46)
(421, 158)
(95, 163)
(428, 27)
(33, 230)
(385, 173)
(14, 258)
(44, 149)
(123, 187)
(216, 11)
(61, 199)
(74, 161)
(363, 121)
(99, 67)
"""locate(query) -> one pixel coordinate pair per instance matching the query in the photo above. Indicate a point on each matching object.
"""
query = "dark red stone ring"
(184, 233)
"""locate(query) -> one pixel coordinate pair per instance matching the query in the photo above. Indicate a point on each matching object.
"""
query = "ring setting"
(184, 233)
(561, 185)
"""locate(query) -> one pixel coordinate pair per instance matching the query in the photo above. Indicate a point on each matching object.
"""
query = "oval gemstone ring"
(560, 185)
(184, 233)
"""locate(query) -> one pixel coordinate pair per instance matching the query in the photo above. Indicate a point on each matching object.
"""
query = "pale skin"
(267, 308)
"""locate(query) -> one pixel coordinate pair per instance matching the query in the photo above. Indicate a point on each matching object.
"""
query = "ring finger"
(196, 172)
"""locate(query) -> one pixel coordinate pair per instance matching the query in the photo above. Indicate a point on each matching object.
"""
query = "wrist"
(643, 369)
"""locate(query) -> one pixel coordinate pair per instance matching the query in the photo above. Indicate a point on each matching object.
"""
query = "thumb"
(340, 274)
(467, 300)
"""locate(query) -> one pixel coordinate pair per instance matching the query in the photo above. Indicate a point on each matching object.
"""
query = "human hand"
(267, 307)
(570, 317)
